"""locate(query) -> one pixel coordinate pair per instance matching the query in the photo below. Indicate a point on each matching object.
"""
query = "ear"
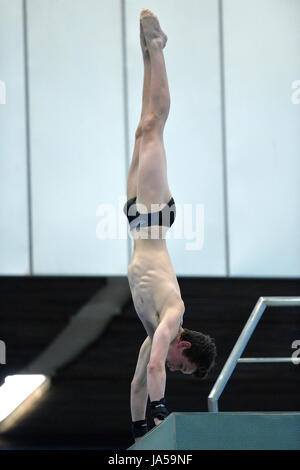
(184, 345)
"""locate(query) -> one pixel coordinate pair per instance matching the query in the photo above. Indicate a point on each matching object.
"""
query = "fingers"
(157, 421)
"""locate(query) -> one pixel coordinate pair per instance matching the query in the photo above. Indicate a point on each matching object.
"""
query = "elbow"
(133, 384)
(137, 385)
(155, 367)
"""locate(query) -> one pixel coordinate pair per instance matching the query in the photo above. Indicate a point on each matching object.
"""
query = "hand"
(157, 421)
(137, 439)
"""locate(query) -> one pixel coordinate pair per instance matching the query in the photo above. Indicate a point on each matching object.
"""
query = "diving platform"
(224, 431)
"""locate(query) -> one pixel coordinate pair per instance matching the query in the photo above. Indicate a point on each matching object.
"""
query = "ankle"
(146, 57)
(155, 43)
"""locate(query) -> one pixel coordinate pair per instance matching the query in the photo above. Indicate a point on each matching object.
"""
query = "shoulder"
(173, 305)
(171, 318)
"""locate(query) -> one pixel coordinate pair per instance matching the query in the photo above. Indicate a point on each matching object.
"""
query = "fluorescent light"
(18, 394)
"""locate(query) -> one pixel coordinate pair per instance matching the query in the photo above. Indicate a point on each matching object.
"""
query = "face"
(176, 361)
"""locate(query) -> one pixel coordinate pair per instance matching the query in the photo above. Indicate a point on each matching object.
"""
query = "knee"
(153, 123)
(139, 131)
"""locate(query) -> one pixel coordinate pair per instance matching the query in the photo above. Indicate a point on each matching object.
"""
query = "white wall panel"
(14, 245)
(77, 134)
(193, 130)
(262, 60)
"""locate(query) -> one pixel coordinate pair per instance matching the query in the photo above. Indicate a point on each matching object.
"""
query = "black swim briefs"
(163, 218)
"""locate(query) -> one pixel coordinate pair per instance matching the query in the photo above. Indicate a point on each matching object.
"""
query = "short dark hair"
(202, 352)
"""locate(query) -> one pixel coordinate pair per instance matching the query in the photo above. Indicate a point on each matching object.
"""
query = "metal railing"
(241, 343)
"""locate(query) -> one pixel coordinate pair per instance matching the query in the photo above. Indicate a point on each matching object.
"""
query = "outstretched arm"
(164, 335)
(156, 370)
(139, 392)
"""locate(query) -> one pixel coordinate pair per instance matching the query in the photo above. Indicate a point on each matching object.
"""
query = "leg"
(132, 179)
(153, 185)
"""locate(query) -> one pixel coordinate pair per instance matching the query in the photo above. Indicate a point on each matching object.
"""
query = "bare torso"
(152, 282)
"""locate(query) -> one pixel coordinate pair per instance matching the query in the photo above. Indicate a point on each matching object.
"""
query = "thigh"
(152, 185)
(132, 178)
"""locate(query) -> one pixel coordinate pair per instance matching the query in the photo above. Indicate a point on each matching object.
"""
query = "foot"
(143, 43)
(151, 28)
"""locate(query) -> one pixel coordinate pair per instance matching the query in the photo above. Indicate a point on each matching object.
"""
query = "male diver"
(150, 209)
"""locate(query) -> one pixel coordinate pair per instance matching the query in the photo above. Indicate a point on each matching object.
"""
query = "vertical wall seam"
(27, 127)
(223, 138)
(125, 101)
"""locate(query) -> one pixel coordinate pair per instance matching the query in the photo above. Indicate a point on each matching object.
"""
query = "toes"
(146, 12)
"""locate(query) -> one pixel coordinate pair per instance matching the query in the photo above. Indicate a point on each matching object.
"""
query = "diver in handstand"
(151, 211)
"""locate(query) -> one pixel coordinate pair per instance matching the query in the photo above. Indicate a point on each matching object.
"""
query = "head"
(192, 352)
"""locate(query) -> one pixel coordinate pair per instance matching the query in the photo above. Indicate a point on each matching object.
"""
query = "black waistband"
(162, 217)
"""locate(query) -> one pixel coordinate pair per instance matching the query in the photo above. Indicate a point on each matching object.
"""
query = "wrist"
(158, 409)
(139, 428)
